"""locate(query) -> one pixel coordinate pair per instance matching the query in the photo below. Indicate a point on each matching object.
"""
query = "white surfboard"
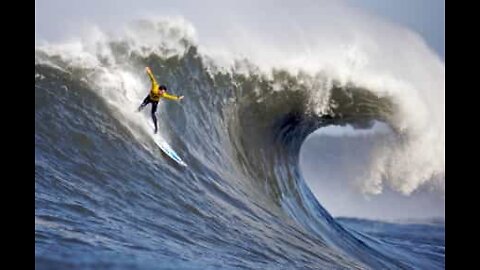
(167, 149)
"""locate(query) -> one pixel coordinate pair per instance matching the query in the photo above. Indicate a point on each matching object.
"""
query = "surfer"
(156, 92)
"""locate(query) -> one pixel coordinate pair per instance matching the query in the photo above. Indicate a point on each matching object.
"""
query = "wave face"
(106, 196)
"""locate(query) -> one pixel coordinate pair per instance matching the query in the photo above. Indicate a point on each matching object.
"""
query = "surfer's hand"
(180, 98)
(147, 69)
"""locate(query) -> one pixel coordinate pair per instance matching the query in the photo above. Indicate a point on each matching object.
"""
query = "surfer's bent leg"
(154, 118)
(144, 103)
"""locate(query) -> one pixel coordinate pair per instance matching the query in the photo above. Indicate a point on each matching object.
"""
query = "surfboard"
(167, 149)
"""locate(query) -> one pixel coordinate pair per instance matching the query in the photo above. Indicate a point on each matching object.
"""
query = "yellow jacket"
(155, 92)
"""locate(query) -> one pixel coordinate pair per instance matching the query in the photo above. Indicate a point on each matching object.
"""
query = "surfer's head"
(162, 88)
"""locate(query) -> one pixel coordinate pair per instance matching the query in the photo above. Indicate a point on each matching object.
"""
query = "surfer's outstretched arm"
(172, 97)
(150, 75)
